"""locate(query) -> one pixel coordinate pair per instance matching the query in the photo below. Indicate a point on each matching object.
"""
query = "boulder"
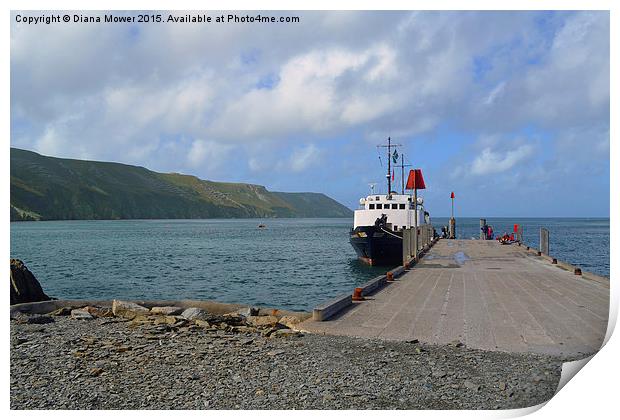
(290, 321)
(128, 310)
(155, 319)
(81, 314)
(262, 321)
(64, 311)
(201, 323)
(98, 312)
(24, 286)
(195, 313)
(166, 310)
(286, 332)
(250, 311)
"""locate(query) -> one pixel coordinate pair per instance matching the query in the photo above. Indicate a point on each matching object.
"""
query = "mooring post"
(544, 241)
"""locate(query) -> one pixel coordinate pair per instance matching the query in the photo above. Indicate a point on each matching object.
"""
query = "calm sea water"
(293, 263)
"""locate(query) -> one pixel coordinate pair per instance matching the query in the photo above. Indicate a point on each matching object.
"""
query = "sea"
(291, 264)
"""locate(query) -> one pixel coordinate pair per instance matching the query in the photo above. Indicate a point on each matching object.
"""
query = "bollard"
(577, 271)
(554, 261)
(528, 248)
(539, 253)
(390, 276)
(357, 294)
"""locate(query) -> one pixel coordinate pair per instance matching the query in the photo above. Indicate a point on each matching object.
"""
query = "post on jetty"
(544, 241)
(452, 229)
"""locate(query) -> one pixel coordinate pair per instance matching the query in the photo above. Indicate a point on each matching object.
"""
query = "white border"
(592, 394)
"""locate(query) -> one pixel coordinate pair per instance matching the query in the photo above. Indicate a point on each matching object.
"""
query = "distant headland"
(49, 188)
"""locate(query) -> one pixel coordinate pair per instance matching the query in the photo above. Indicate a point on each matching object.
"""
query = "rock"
(275, 352)
(250, 311)
(166, 310)
(502, 386)
(262, 321)
(290, 321)
(81, 314)
(195, 313)
(142, 319)
(438, 374)
(166, 319)
(471, 385)
(64, 311)
(34, 319)
(24, 286)
(19, 340)
(128, 310)
(96, 371)
(98, 312)
(201, 323)
(286, 332)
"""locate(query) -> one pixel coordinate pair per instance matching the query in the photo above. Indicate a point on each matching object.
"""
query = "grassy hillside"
(47, 188)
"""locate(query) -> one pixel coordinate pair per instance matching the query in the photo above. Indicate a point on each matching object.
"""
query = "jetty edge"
(326, 310)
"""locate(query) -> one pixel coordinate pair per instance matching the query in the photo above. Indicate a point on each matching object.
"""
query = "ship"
(377, 232)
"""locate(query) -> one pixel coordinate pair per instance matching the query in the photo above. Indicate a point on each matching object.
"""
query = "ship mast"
(389, 168)
(402, 167)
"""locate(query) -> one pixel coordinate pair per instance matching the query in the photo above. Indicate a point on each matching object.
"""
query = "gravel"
(108, 364)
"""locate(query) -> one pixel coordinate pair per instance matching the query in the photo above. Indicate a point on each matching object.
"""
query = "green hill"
(48, 188)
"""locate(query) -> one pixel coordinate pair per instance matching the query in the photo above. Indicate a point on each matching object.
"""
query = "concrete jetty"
(487, 296)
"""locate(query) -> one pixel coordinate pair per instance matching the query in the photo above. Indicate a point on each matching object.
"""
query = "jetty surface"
(487, 296)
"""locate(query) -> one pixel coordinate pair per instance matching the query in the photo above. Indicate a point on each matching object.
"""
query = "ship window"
(402, 206)
(379, 206)
(394, 206)
(377, 198)
(371, 206)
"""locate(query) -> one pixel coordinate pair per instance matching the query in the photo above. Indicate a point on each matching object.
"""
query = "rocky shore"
(173, 358)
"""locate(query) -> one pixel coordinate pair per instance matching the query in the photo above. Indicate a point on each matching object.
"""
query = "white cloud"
(304, 158)
(211, 154)
(309, 95)
(495, 94)
(489, 161)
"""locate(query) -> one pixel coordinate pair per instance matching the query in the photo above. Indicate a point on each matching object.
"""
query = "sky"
(510, 110)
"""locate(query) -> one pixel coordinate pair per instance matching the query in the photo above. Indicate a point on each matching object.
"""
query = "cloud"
(489, 161)
(208, 153)
(304, 158)
(317, 91)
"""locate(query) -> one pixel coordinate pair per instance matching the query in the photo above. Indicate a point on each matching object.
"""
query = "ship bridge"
(398, 208)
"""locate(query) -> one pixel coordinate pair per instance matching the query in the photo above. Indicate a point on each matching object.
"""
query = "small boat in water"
(377, 233)
(262, 226)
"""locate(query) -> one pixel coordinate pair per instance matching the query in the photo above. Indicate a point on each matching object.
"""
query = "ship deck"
(487, 296)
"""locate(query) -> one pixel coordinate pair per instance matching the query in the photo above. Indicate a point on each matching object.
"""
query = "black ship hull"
(376, 245)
